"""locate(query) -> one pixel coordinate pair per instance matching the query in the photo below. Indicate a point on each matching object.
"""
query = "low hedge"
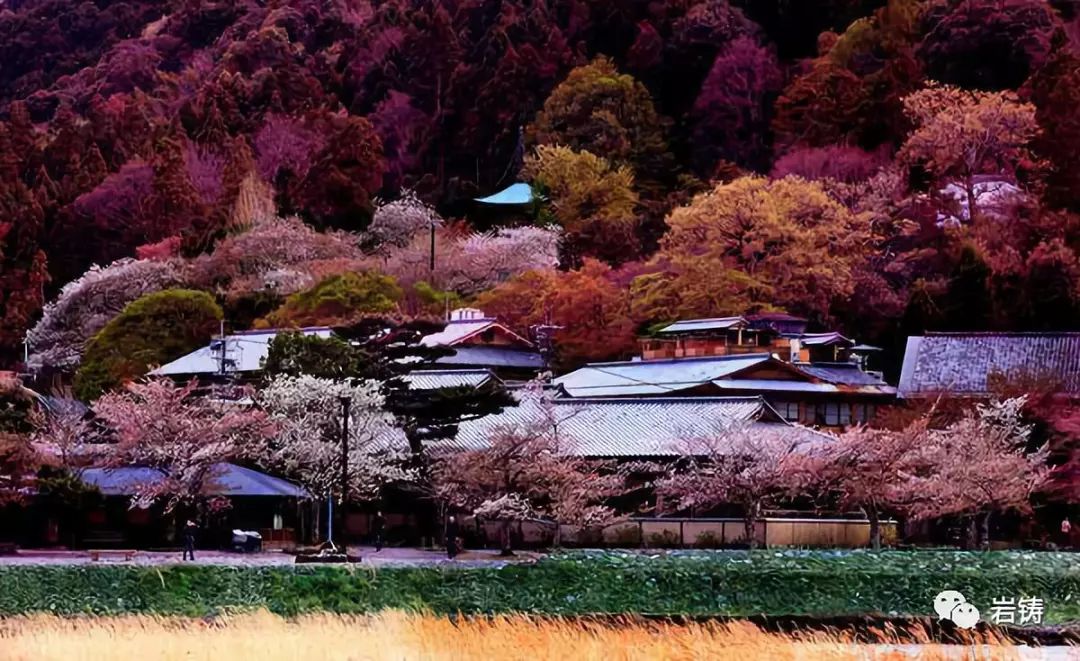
(688, 583)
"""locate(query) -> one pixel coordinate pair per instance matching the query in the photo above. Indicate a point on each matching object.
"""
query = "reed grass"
(396, 635)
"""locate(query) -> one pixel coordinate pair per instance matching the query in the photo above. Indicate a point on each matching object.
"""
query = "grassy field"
(402, 636)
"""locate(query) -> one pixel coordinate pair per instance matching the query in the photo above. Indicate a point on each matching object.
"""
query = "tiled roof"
(228, 480)
(518, 193)
(689, 325)
(436, 379)
(965, 364)
(847, 374)
(245, 351)
(493, 357)
(650, 427)
(652, 377)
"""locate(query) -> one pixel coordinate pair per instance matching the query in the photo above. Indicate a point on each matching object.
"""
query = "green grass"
(691, 583)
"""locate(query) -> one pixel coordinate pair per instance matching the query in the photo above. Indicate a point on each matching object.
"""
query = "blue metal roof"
(493, 357)
(229, 480)
(719, 323)
(514, 194)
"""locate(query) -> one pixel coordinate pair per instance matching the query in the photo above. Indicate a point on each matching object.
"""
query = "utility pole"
(346, 401)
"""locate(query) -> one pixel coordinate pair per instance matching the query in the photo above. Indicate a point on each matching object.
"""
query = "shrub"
(665, 540)
(708, 540)
(151, 330)
(832, 583)
(626, 537)
(338, 299)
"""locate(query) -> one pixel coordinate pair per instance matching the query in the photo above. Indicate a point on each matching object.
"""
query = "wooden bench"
(129, 554)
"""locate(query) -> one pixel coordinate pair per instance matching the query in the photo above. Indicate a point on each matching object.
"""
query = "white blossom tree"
(396, 223)
(84, 306)
(307, 412)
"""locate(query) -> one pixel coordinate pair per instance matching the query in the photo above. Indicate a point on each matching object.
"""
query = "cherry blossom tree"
(18, 460)
(276, 254)
(162, 425)
(978, 465)
(467, 262)
(737, 464)
(396, 223)
(869, 468)
(307, 413)
(528, 471)
(84, 306)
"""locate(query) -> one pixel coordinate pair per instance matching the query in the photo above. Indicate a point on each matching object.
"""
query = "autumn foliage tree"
(757, 242)
(593, 201)
(959, 135)
(602, 111)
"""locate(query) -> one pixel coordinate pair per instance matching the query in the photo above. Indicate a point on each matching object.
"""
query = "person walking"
(451, 537)
(189, 540)
(1066, 534)
(378, 525)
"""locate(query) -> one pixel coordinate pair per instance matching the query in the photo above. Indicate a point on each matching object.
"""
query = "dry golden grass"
(394, 636)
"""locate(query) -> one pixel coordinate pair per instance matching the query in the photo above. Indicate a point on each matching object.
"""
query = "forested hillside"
(882, 167)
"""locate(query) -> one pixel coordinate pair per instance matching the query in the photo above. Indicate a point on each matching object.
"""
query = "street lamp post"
(346, 401)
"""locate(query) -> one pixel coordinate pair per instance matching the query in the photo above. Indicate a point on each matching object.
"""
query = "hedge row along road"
(685, 583)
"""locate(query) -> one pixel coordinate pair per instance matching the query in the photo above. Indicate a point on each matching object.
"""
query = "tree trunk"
(753, 512)
(504, 538)
(986, 531)
(875, 528)
(972, 541)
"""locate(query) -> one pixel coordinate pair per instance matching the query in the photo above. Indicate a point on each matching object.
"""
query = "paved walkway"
(388, 557)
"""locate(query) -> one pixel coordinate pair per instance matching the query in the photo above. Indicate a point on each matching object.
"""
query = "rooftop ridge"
(660, 400)
(274, 331)
(1001, 334)
(690, 359)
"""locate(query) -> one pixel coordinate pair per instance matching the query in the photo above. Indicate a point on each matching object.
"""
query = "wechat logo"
(953, 606)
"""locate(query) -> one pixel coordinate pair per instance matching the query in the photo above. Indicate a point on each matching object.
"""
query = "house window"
(787, 410)
(829, 414)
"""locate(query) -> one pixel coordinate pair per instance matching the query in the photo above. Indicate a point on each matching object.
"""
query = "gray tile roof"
(436, 379)
(652, 377)
(245, 351)
(649, 427)
(965, 364)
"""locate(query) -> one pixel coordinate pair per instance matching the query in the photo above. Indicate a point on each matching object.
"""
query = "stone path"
(387, 557)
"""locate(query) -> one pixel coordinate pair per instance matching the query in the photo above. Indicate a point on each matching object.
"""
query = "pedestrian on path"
(189, 540)
(451, 537)
(1066, 534)
(378, 525)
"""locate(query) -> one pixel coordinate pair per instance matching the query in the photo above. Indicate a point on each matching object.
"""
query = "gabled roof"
(438, 379)
(459, 331)
(518, 193)
(966, 364)
(245, 352)
(228, 480)
(718, 323)
(648, 427)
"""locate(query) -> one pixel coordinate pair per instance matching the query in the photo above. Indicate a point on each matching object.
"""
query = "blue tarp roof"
(513, 194)
(229, 480)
